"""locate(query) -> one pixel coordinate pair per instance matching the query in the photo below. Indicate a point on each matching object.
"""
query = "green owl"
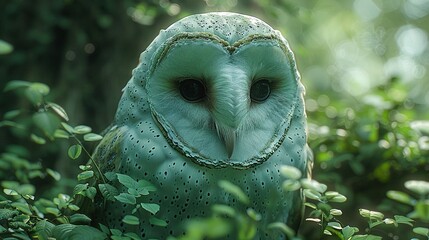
(215, 96)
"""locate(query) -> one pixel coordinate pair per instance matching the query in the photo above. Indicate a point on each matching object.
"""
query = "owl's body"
(215, 97)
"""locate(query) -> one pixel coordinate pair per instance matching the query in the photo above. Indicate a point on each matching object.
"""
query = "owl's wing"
(106, 155)
(296, 214)
(105, 158)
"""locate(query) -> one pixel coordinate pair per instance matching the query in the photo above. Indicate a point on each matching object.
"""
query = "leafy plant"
(22, 215)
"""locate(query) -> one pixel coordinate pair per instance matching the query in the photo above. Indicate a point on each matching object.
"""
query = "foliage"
(24, 215)
(374, 143)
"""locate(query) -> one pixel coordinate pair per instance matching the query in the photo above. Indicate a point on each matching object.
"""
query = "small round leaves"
(192, 90)
(260, 91)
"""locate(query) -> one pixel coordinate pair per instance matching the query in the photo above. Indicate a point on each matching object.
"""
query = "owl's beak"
(229, 140)
(229, 137)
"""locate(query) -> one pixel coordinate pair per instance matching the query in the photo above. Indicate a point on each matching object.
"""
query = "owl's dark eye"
(260, 91)
(192, 90)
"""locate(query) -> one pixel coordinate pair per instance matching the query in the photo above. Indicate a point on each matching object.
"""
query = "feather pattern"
(184, 148)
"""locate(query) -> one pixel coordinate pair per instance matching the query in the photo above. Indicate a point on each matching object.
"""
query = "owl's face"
(221, 98)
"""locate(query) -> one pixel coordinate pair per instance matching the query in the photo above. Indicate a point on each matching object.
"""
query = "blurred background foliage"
(364, 64)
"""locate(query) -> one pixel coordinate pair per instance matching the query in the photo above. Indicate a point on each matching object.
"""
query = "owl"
(215, 96)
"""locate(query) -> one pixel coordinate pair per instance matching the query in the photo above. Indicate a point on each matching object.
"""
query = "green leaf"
(37, 139)
(59, 133)
(290, 172)
(332, 196)
(136, 188)
(74, 151)
(335, 225)
(81, 232)
(79, 218)
(126, 180)
(291, 185)
(131, 220)
(19, 225)
(80, 189)
(313, 185)
(10, 192)
(73, 207)
(401, 197)
(91, 137)
(157, 222)
(421, 231)
(40, 87)
(67, 127)
(43, 229)
(115, 232)
(133, 236)
(366, 237)
(373, 215)
(5, 47)
(33, 96)
(349, 232)
(253, 214)
(214, 228)
(108, 191)
(390, 221)
(282, 228)
(54, 174)
(310, 205)
(85, 167)
(419, 187)
(10, 184)
(312, 194)
(35, 93)
(5, 214)
(58, 110)
(82, 129)
(61, 231)
(44, 203)
(422, 210)
(26, 189)
(234, 190)
(324, 207)
(126, 198)
(62, 200)
(12, 124)
(91, 192)
(85, 175)
(221, 209)
(53, 211)
(110, 176)
(15, 84)
(104, 228)
(336, 212)
(150, 207)
(421, 126)
(403, 220)
(11, 114)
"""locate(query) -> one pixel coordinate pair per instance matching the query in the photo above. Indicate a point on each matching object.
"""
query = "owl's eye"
(260, 90)
(192, 90)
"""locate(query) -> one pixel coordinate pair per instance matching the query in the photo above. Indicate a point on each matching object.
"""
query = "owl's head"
(222, 87)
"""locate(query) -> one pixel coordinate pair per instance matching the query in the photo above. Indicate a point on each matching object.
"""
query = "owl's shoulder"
(107, 152)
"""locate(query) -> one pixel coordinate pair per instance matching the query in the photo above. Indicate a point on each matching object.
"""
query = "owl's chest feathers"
(192, 187)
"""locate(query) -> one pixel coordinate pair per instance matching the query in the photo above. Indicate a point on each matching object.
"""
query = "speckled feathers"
(185, 147)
